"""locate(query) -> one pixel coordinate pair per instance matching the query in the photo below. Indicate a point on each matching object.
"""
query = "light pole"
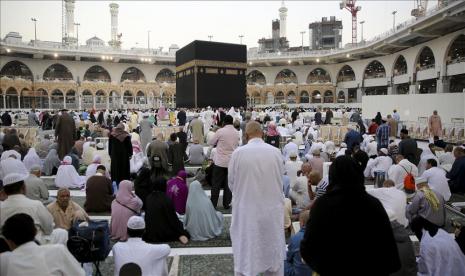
(302, 34)
(394, 20)
(77, 33)
(361, 25)
(240, 37)
(210, 37)
(35, 29)
(148, 41)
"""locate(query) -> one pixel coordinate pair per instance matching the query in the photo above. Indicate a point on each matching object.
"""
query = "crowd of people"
(273, 167)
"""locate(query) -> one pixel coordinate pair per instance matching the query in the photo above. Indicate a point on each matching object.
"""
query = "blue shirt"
(352, 138)
(286, 185)
(293, 265)
(84, 115)
(382, 134)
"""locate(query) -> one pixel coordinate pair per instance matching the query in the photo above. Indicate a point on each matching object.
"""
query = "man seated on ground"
(29, 258)
(65, 211)
(17, 202)
(289, 148)
(398, 171)
(456, 175)
(79, 144)
(104, 156)
(381, 163)
(35, 187)
(291, 167)
(88, 153)
(426, 203)
(436, 178)
(316, 161)
(67, 176)
(447, 157)
(392, 199)
(439, 142)
(43, 147)
(151, 258)
(316, 179)
(293, 265)
(196, 155)
(99, 192)
(299, 191)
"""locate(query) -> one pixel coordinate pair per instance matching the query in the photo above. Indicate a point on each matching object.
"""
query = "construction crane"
(353, 9)
(420, 8)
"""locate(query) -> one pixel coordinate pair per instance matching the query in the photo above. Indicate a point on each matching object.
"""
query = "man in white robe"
(289, 148)
(257, 229)
(398, 172)
(392, 199)
(436, 178)
(380, 163)
(292, 166)
(440, 255)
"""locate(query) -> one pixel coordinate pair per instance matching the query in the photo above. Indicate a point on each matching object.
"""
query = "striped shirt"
(321, 188)
(382, 135)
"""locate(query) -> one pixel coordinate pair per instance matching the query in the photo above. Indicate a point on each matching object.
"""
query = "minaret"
(69, 22)
(115, 40)
(282, 19)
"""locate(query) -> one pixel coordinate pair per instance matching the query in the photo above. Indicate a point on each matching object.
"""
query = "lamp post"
(240, 38)
(361, 25)
(302, 34)
(394, 20)
(77, 33)
(35, 29)
(210, 37)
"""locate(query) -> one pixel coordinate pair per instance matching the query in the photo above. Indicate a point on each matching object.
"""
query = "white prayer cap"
(16, 171)
(384, 151)
(10, 153)
(282, 121)
(420, 180)
(100, 145)
(136, 223)
(343, 145)
(293, 154)
(67, 160)
(371, 138)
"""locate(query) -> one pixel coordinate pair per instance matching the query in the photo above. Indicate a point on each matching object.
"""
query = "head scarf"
(272, 130)
(119, 133)
(125, 193)
(431, 197)
(345, 175)
(135, 146)
(51, 161)
(32, 159)
(202, 221)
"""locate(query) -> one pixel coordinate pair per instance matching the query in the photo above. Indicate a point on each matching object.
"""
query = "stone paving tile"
(206, 265)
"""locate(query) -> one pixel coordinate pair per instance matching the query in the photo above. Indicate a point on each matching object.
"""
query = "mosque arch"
(316, 96)
(87, 99)
(133, 74)
(256, 77)
(328, 97)
(374, 70)
(57, 71)
(70, 99)
(279, 98)
(341, 98)
(291, 98)
(114, 99)
(346, 73)
(425, 59)
(318, 75)
(400, 66)
(456, 50)
(141, 98)
(97, 73)
(285, 76)
(304, 97)
(16, 69)
(57, 99)
(165, 75)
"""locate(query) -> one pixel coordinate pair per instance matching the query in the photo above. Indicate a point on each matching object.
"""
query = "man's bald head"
(306, 168)
(314, 177)
(253, 130)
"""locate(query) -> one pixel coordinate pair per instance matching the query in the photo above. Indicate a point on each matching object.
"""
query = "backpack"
(156, 162)
(409, 182)
(89, 243)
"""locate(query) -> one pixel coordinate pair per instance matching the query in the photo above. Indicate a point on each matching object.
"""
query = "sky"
(180, 22)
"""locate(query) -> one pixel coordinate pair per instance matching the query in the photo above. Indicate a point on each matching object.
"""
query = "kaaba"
(211, 74)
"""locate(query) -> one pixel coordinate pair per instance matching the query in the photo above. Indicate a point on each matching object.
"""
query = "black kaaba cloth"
(211, 74)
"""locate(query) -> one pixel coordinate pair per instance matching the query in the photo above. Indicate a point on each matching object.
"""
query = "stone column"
(413, 89)
(79, 98)
(108, 100)
(93, 100)
(64, 101)
(359, 95)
